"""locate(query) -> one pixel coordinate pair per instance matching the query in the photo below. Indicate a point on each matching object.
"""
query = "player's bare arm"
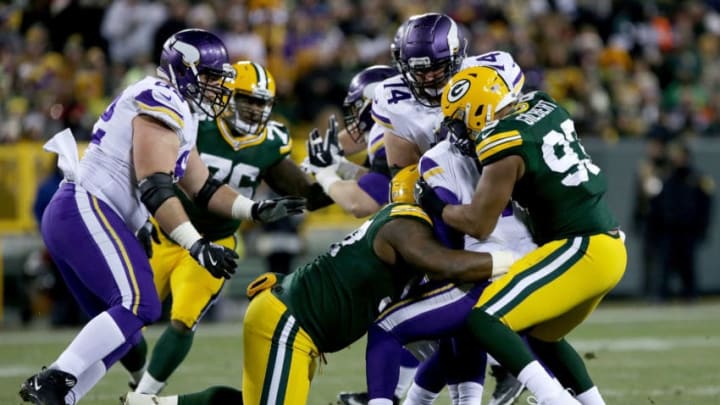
(286, 178)
(494, 190)
(400, 152)
(348, 145)
(414, 243)
(155, 148)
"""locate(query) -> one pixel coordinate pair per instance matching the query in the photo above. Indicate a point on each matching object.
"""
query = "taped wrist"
(326, 177)
(185, 235)
(202, 198)
(502, 261)
(242, 208)
(155, 189)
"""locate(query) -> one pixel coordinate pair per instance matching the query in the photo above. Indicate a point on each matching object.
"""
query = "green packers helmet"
(252, 98)
(402, 185)
(474, 95)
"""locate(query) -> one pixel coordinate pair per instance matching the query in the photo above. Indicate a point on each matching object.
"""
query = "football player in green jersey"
(331, 302)
(530, 152)
(241, 148)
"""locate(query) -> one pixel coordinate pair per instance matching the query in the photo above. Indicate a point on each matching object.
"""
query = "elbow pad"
(155, 189)
(202, 198)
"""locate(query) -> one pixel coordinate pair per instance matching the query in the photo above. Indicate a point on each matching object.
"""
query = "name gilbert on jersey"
(535, 114)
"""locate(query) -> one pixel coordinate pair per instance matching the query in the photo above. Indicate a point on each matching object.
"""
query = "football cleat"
(134, 398)
(358, 398)
(507, 387)
(48, 387)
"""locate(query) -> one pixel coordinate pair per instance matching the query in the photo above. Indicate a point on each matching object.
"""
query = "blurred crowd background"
(641, 73)
(622, 68)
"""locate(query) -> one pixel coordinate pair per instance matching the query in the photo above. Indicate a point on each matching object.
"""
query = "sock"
(85, 382)
(539, 382)
(496, 338)
(405, 379)
(469, 393)
(212, 396)
(565, 362)
(454, 393)
(418, 395)
(149, 385)
(380, 401)
(170, 350)
(98, 338)
(591, 397)
(135, 361)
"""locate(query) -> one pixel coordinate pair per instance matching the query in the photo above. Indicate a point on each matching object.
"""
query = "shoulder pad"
(410, 210)
(494, 142)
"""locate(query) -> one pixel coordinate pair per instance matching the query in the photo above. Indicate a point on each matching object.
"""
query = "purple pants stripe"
(100, 259)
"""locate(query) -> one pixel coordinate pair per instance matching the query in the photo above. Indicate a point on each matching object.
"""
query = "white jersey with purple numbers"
(396, 109)
(503, 63)
(443, 166)
(106, 169)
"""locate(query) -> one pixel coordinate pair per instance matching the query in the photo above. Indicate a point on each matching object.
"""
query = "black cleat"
(48, 387)
(507, 387)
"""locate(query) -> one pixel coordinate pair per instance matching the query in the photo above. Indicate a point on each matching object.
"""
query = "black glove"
(217, 259)
(146, 235)
(277, 208)
(323, 152)
(428, 199)
(457, 134)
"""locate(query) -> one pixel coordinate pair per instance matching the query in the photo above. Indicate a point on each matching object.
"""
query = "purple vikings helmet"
(196, 62)
(431, 51)
(356, 107)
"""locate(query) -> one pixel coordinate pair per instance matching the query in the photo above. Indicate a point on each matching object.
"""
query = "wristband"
(242, 207)
(185, 235)
(501, 262)
(326, 177)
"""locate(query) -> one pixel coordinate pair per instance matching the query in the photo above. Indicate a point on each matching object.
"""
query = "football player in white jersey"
(141, 145)
(430, 51)
(365, 190)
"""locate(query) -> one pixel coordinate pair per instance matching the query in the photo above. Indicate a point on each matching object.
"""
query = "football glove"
(277, 208)
(324, 151)
(217, 259)
(426, 197)
(146, 235)
(457, 134)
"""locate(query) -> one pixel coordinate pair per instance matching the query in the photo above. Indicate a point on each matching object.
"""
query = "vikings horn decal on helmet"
(195, 61)
(431, 51)
(253, 96)
(358, 101)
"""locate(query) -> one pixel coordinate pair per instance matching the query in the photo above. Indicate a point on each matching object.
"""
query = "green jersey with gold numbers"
(238, 161)
(338, 295)
(562, 189)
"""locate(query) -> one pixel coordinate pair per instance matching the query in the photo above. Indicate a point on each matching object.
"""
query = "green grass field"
(638, 354)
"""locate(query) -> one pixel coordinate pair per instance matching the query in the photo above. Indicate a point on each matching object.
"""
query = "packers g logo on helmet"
(402, 186)
(474, 95)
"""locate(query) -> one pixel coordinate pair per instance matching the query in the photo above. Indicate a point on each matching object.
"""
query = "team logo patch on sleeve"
(407, 210)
